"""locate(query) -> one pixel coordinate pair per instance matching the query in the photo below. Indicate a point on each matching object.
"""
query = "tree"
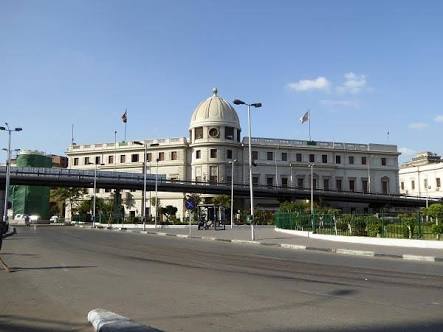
(296, 206)
(435, 211)
(169, 211)
(129, 201)
(222, 200)
(71, 194)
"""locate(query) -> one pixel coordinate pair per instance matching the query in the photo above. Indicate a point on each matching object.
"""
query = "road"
(195, 285)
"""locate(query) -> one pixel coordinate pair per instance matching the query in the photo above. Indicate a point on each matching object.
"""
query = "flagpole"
(309, 123)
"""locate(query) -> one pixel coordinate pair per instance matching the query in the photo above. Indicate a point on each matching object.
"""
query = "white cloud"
(438, 118)
(340, 103)
(418, 125)
(320, 83)
(353, 84)
(407, 152)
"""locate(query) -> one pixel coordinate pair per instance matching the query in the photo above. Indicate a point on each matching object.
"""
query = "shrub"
(408, 222)
(437, 229)
(358, 225)
(374, 226)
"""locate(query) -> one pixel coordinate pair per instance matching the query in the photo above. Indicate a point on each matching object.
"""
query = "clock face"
(213, 132)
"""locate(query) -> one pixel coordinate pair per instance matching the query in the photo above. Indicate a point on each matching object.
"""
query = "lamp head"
(2, 128)
(256, 105)
(18, 129)
(138, 143)
(238, 102)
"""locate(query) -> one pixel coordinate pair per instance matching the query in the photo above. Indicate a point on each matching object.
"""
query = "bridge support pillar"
(2, 202)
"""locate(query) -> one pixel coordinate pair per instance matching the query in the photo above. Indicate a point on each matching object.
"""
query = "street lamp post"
(251, 192)
(232, 191)
(95, 195)
(156, 194)
(144, 181)
(8, 168)
(312, 195)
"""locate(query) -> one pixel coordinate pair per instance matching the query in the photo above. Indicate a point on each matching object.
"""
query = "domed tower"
(214, 140)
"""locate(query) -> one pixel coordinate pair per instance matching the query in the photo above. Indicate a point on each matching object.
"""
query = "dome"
(214, 111)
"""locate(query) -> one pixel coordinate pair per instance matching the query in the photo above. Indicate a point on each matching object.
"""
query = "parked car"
(54, 219)
(23, 219)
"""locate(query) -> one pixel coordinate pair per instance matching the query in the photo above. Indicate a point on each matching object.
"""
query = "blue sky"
(363, 68)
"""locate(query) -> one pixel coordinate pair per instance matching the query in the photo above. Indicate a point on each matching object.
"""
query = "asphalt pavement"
(182, 284)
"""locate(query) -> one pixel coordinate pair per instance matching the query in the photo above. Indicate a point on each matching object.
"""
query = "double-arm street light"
(94, 199)
(8, 168)
(251, 193)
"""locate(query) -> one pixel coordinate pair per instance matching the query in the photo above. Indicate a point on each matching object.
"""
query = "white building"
(215, 140)
(422, 176)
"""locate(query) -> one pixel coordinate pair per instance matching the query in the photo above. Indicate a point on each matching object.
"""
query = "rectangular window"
(238, 135)
(325, 184)
(161, 156)
(228, 154)
(229, 133)
(338, 185)
(311, 158)
(425, 183)
(122, 159)
(149, 156)
(383, 161)
(437, 182)
(134, 158)
(213, 153)
(197, 154)
(324, 158)
(351, 160)
(385, 186)
(107, 190)
(284, 156)
(284, 182)
(270, 155)
(254, 155)
(300, 183)
(269, 181)
(351, 185)
(402, 185)
(97, 160)
(413, 185)
(87, 160)
(198, 132)
(298, 158)
(255, 180)
(314, 183)
(338, 159)
(363, 160)
(75, 161)
(213, 170)
(229, 179)
(110, 159)
(174, 155)
(364, 185)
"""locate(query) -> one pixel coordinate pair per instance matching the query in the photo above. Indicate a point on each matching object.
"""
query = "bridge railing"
(88, 176)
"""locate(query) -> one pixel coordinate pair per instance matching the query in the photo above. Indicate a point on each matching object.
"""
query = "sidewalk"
(266, 235)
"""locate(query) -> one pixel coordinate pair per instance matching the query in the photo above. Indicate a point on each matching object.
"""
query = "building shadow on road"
(430, 326)
(67, 267)
(15, 323)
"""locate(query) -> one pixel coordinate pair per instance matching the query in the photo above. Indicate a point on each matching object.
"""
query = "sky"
(362, 68)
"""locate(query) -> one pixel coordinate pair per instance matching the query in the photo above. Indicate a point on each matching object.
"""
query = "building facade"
(422, 176)
(215, 143)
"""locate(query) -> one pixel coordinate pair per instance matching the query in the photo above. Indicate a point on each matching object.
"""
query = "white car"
(22, 219)
(54, 219)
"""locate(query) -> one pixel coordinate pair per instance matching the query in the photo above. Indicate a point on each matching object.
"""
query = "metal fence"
(400, 226)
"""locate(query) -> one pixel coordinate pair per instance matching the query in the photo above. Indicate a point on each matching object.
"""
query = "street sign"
(190, 204)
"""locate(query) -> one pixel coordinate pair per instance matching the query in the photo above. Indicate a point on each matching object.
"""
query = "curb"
(339, 251)
(107, 321)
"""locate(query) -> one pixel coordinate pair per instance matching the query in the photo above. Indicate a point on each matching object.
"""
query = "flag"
(305, 117)
(125, 117)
